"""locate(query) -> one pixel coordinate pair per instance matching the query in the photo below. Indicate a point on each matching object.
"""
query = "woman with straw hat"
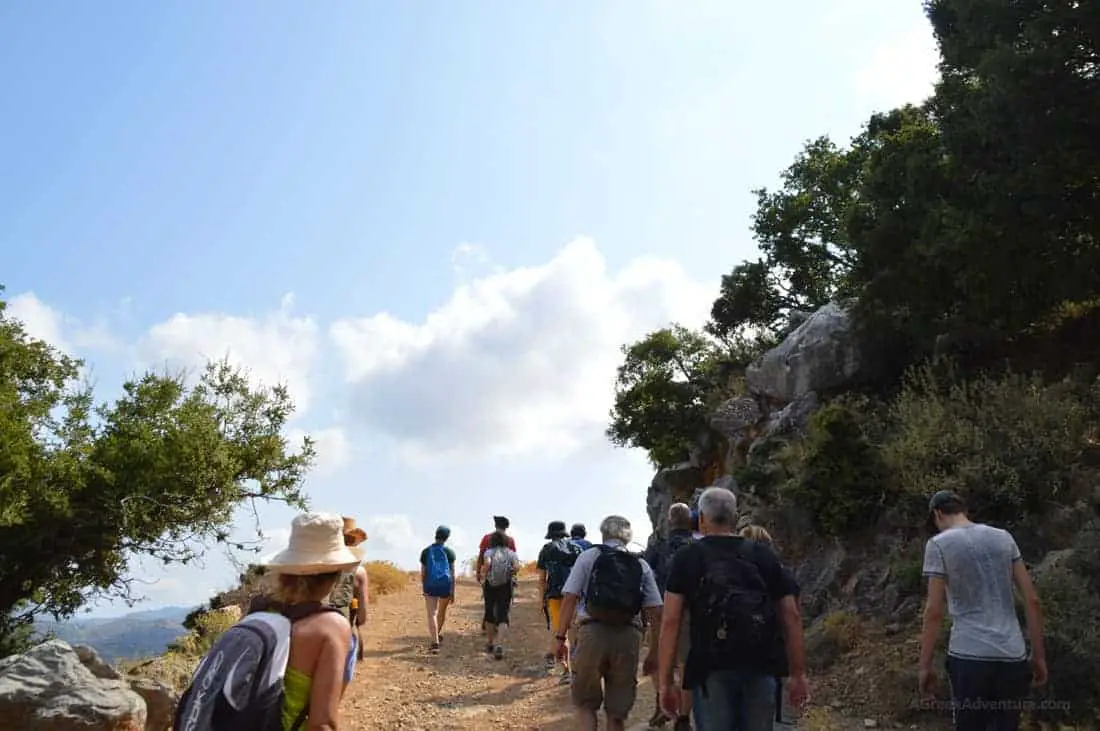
(322, 649)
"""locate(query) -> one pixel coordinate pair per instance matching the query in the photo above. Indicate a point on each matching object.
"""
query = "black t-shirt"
(688, 569)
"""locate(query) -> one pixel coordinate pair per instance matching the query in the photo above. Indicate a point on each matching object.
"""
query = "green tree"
(157, 474)
(661, 393)
(800, 231)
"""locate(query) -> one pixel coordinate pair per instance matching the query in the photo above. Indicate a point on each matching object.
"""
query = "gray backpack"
(500, 566)
(238, 686)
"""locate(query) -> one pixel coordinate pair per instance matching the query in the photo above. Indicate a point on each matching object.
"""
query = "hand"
(798, 692)
(1038, 671)
(927, 682)
(649, 665)
(670, 700)
(560, 650)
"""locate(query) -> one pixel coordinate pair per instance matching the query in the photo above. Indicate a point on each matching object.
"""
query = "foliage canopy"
(157, 474)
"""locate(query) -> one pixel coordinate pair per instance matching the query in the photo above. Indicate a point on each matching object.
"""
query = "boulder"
(791, 419)
(821, 354)
(733, 416)
(48, 688)
(670, 485)
(160, 702)
(90, 659)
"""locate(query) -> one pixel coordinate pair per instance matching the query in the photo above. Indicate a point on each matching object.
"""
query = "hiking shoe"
(434, 647)
(550, 661)
(498, 652)
(683, 723)
(489, 649)
(658, 719)
(566, 678)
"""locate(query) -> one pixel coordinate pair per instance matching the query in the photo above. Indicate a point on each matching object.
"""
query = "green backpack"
(343, 592)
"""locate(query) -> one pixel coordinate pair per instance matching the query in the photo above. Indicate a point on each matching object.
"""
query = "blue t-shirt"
(583, 543)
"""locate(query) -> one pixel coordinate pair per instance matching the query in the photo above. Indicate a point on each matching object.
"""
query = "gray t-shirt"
(582, 572)
(977, 562)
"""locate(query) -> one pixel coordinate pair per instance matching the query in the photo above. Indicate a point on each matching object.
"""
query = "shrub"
(842, 629)
(1007, 444)
(1072, 634)
(385, 578)
(206, 628)
(839, 475)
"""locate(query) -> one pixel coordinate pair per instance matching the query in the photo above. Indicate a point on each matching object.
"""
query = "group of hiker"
(710, 601)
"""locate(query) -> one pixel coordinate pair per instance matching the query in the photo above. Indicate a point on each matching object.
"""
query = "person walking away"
(971, 569)
(577, 535)
(738, 598)
(437, 574)
(499, 569)
(782, 668)
(608, 590)
(351, 592)
(297, 649)
(555, 560)
(659, 556)
(500, 525)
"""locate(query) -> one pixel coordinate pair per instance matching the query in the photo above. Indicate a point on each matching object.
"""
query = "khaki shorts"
(605, 668)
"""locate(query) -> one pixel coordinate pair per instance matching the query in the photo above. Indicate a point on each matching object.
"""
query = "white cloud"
(902, 71)
(516, 362)
(392, 533)
(63, 332)
(278, 348)
(334, 450)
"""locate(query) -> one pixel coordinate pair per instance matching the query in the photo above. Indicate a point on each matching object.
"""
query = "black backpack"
(236, 686)
(614, 592)
(560, 556)
(733, 614)
(665, 552)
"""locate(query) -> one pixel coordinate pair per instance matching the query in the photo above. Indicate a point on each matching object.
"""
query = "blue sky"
(435, 221)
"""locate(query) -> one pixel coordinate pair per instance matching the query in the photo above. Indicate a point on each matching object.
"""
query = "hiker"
(728, 582)
(608, 590)
(498, 571)
(290, 639)
(500, 525)
(659, 556)
(760, 534)
(437, 575)
(352, 590)
(577, 534)
(555, 561)
(696, 534)
(971, 569)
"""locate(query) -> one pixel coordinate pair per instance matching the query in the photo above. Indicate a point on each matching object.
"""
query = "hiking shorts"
(605, 668)
(498, 603)
(553, 614)
(988, 693)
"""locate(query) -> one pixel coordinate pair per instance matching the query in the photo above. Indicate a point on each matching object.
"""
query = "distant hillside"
(131, 636)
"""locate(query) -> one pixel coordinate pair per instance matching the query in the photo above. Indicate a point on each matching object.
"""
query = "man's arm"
(668, 637)
(540, 566)
(565, 615)
(791, 617)
(934, 610)
(1033, 611)
(362, 593)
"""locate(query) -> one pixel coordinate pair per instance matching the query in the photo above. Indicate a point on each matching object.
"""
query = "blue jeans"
(736, 700)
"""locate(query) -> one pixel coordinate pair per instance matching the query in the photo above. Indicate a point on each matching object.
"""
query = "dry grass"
(819, 719)
(385, 578)
(843, 629)
(529, 569)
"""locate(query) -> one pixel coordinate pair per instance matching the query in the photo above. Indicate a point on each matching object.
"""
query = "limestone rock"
(48, 688)
(670, 485)
(90, 659)
(733, 416)
(791, 419)
(821, 354)
(160, 702)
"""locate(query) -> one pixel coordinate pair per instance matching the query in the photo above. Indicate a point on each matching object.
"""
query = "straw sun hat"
(316, 546)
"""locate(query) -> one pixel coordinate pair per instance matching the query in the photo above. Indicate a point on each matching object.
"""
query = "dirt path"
(401, 686)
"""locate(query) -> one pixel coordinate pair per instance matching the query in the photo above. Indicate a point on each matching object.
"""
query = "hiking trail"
(399, 685)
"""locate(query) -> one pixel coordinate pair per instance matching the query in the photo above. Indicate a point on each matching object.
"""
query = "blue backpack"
(437, 575)
(559, 563)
